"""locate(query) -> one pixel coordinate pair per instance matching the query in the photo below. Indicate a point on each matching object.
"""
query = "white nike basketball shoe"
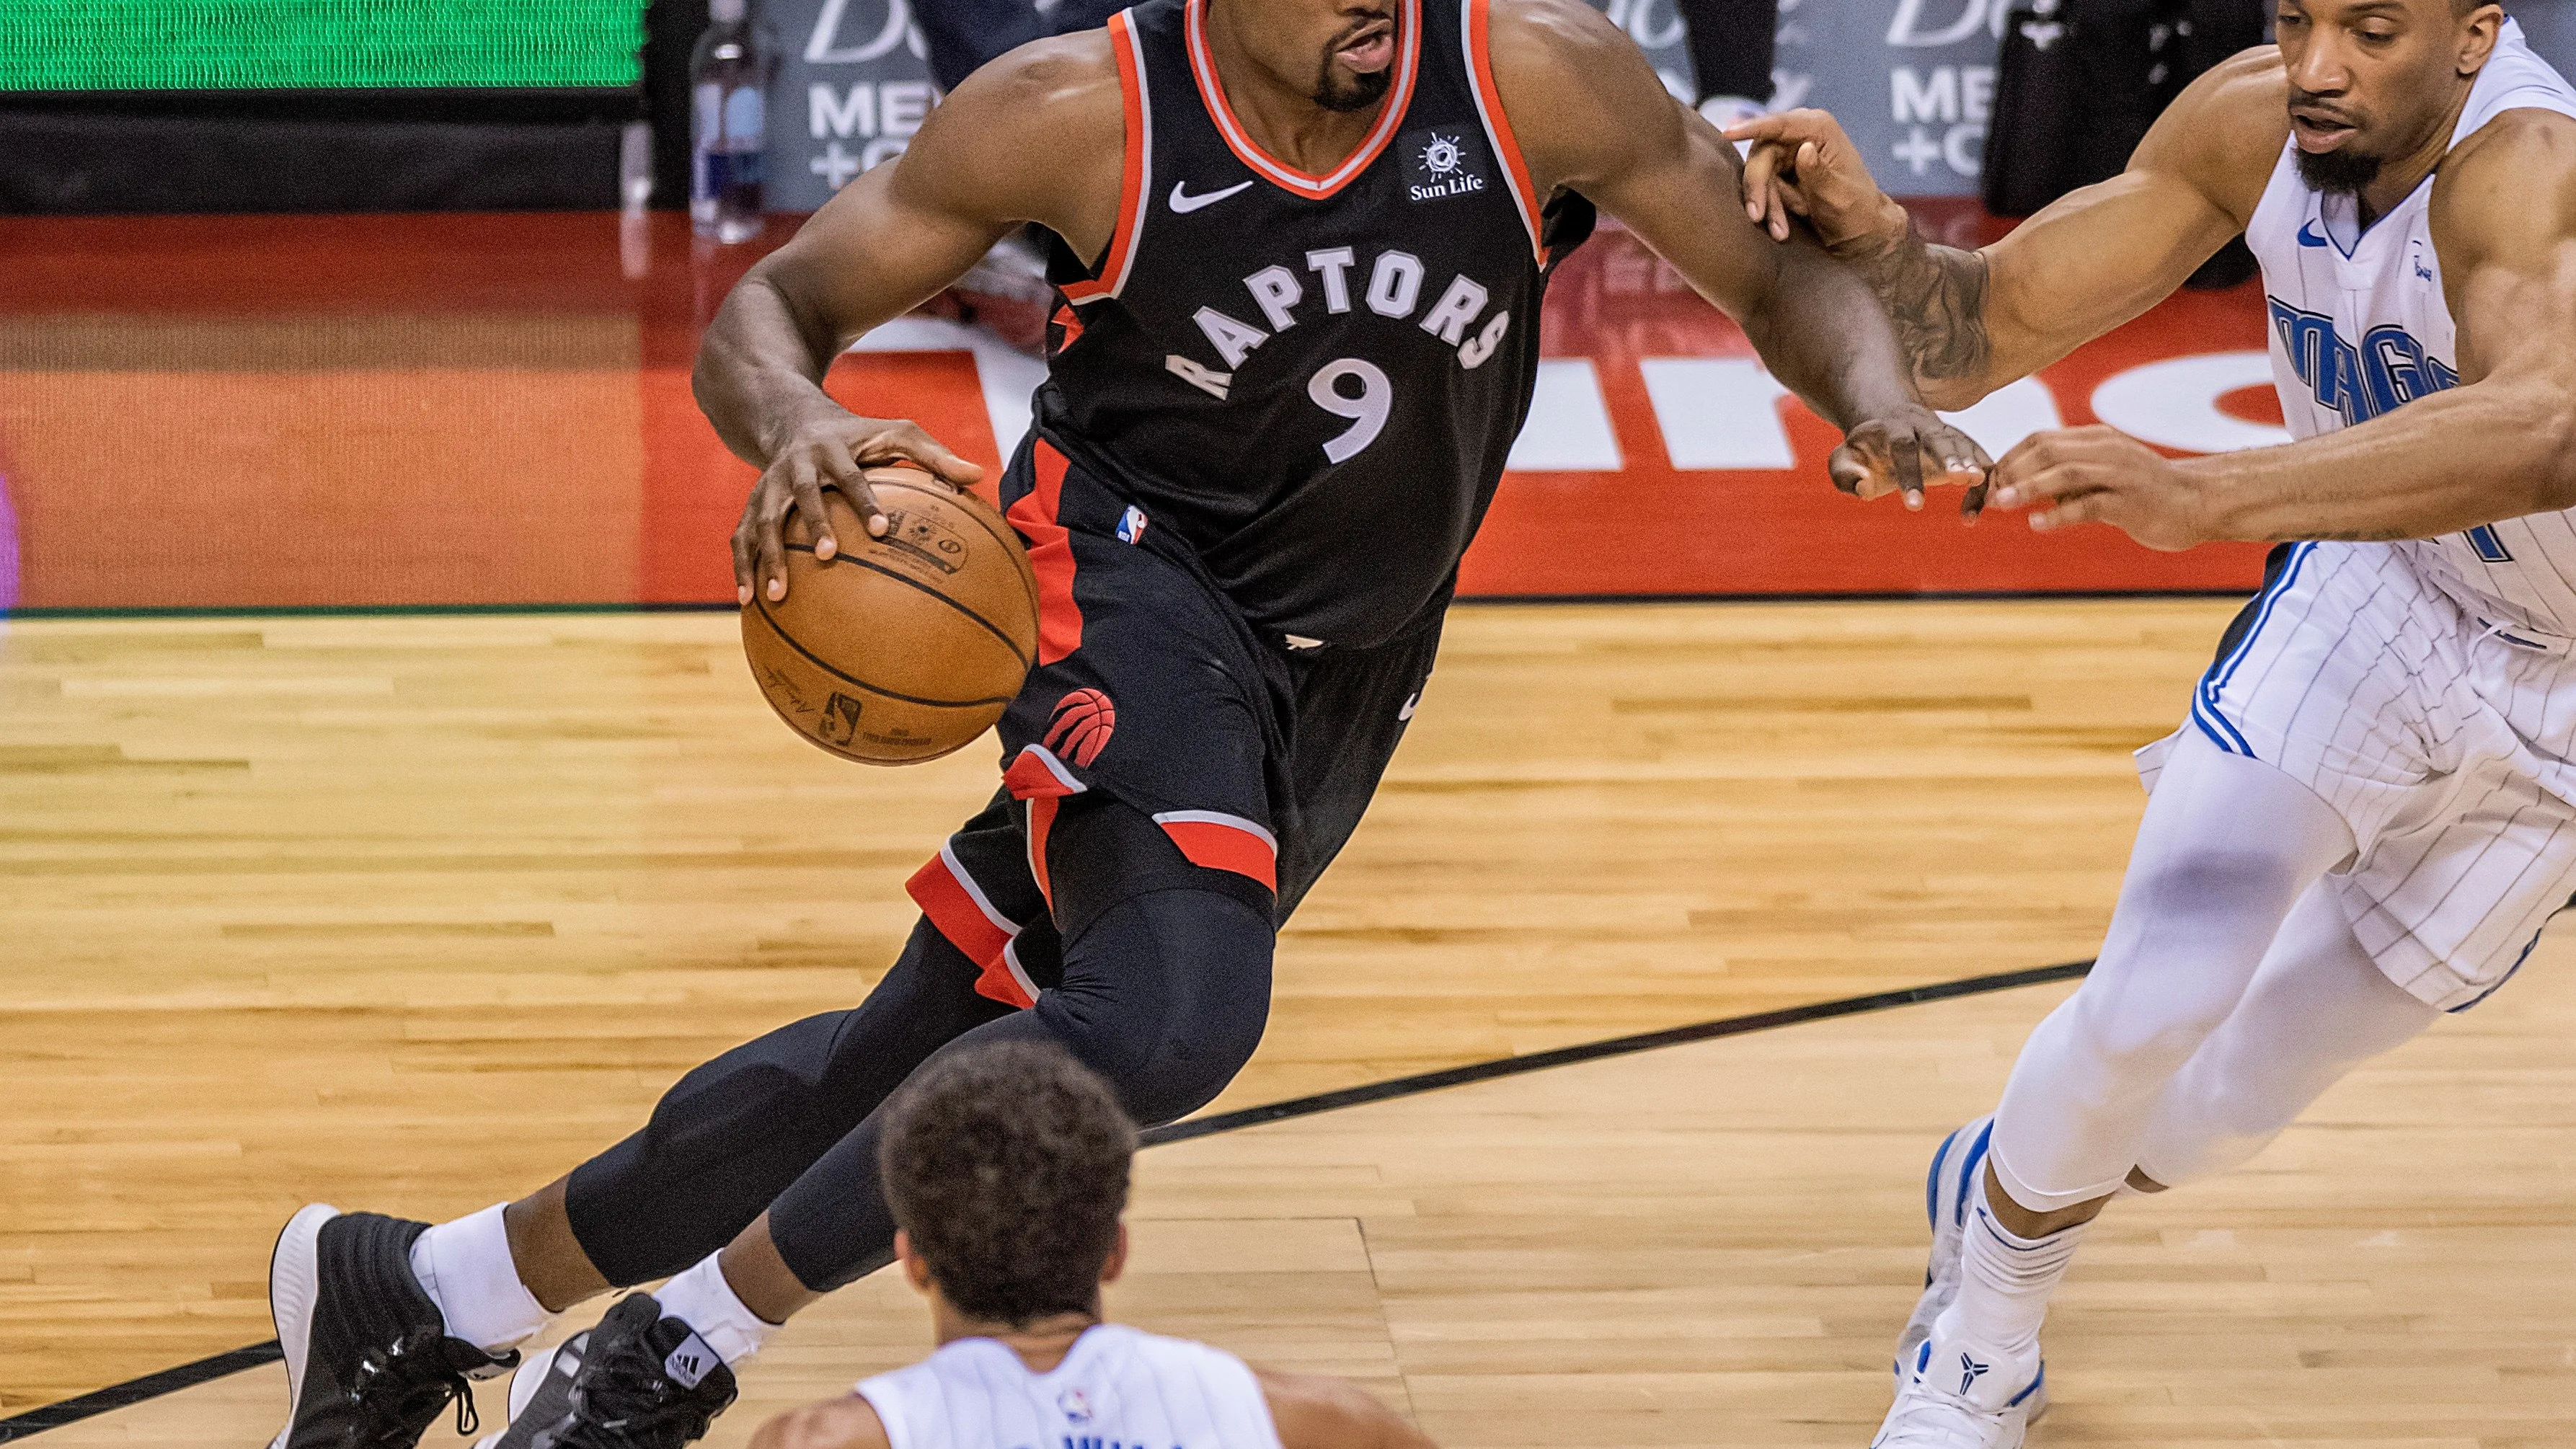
(1957, 1169)
(1962, 1395)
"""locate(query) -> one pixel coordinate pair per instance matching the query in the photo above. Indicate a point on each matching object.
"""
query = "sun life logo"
(1438, 166)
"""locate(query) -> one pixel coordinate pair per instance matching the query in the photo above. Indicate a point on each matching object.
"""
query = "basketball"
(902, 648)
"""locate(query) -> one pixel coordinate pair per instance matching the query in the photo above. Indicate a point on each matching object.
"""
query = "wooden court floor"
(411, 912)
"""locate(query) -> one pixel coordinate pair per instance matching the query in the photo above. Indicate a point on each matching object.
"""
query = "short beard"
(2338, 172)
(1360, 94)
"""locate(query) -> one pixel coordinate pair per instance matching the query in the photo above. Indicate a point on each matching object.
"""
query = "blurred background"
(402, 290)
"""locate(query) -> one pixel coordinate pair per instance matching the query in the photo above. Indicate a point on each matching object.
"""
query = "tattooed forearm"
(1936, 296)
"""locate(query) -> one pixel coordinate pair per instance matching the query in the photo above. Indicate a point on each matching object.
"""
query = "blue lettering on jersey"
(2388, 370)
(2385, 373)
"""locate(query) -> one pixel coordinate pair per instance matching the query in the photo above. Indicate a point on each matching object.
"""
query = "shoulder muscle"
(1037, 135)
(1313, 1411)
(848, 1422)
(2507, 194)
(2224, 133)
(1581, 97)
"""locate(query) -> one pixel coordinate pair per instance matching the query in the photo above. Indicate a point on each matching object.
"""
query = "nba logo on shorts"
(1131, 524)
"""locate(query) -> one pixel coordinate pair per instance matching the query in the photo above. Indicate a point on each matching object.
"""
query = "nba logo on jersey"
(1131, 524)
(1075, 1404)
(1441, 162)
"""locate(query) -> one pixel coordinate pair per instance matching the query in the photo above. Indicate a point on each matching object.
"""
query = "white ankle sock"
(701, 1298)
(2006, 1279)
(466, 1269)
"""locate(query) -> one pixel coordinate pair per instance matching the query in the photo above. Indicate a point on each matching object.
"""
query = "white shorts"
(2440, 738)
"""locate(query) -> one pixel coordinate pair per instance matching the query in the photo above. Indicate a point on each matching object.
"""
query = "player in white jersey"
(1006, 1170)
(2367, 817)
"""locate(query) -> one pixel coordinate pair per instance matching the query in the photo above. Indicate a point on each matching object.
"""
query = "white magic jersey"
(2360, 326)
(1119, 1388)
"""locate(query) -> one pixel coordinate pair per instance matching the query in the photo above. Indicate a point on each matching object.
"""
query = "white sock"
(701, 1298)
(2006, 1279)
(466, 1269)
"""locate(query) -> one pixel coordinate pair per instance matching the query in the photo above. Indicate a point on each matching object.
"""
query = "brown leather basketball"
(901, 648)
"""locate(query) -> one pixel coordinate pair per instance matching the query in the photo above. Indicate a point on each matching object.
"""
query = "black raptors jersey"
(1311, 380)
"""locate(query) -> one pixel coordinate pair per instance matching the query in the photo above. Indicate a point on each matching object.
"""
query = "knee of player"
(1166, 996)
(764, 1083)
(2146, 1029)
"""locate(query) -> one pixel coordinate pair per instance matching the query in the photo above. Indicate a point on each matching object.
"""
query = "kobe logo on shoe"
(1969, 1372)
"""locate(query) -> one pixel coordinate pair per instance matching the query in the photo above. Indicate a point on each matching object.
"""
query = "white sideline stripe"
(2010, 413)
(1718, 412)
(1218, 817)
(1568, 430)
(2175, 402)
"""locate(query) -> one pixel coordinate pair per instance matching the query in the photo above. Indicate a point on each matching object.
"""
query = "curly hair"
(1007, 1166)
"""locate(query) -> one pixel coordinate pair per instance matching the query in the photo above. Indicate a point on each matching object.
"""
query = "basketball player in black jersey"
(1301, 246)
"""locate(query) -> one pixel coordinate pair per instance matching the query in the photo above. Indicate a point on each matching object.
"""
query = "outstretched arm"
(1035, 136)
(2501, 445)
(1591, 117)
(1972, 321)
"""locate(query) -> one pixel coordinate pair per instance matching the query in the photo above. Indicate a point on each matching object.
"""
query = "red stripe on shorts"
(952, 912)
(1050, 557)
(1218, 845)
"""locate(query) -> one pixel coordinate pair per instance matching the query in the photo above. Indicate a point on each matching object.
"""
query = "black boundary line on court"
(206, 1370)
(42, 613)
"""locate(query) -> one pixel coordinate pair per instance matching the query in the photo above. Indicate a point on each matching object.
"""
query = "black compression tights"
(1164, 993)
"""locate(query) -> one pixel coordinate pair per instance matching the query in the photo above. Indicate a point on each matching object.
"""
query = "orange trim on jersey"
(1498, 125)
(1050, 557)
(1239, 141)
(949, 905)
(1139, 170)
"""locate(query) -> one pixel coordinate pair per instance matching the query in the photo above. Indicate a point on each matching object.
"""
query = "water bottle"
(729, 81)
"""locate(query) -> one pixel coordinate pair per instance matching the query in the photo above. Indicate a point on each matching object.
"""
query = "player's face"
(2370, 80)
(1347, 47)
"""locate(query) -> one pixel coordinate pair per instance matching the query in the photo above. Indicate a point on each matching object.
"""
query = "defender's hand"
(1901, 450)
(1802, 164)
(828, 449)
(2102, 475)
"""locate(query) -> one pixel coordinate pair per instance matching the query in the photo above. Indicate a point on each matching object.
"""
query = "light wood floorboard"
(413, 912)
(1715, 1245)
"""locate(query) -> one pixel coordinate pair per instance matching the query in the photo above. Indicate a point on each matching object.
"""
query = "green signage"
(233, 45)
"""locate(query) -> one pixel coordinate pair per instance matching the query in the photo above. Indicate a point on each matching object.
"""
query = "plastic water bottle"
(729, 81)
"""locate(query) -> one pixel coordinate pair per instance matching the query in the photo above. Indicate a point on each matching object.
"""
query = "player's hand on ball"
(2102, 475)
(1904, 451)
(830, 448)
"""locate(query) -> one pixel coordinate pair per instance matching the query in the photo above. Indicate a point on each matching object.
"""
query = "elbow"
(2558, 434)
(2542, 415)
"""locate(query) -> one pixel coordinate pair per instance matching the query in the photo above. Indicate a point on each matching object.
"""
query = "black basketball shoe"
(541, 1393)
(369, 1364)
(639, 1381)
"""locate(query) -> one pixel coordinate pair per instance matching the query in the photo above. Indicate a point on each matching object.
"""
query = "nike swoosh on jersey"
(2307, 233)
(1183, 203)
